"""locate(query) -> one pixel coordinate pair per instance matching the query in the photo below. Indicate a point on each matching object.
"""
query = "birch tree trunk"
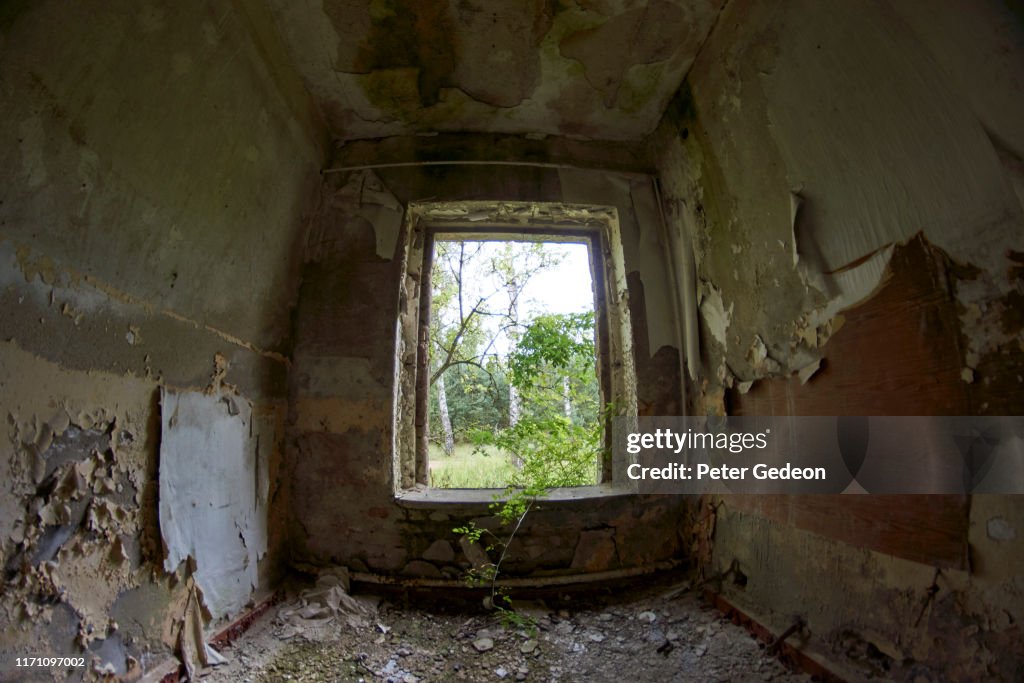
(446, 421)
(566, 397)
(514, 404)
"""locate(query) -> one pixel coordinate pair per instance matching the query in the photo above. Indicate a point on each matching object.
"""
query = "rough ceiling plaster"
(601, 69)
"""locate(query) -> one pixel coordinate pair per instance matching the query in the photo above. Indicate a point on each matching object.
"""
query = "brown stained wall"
(343, 386)
(156, 169)
(844, 179)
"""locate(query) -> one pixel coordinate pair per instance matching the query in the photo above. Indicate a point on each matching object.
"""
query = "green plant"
(511, 511)
(553, 368)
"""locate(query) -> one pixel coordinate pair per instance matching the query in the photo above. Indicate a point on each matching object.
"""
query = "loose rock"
(483, 644)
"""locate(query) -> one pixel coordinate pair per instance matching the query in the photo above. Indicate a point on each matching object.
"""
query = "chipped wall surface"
(601, 70)
(805, 145)
(871, 615)
(213, 506)
(157, 166)
(847, 177)
(343, 388)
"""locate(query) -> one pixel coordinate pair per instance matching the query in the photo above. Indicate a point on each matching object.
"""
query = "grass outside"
(467, 469)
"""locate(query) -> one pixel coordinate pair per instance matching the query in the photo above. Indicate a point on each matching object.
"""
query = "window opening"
(513, 377)
(596, 227)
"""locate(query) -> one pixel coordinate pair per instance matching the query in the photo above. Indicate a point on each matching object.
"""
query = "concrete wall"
(341, 453)
(809, 145)
(158, 160)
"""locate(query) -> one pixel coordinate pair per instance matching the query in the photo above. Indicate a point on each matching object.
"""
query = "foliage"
(551, 448)
(553, 451)
(552, 341)
(477, 400)
(474, 298)
(511, 512)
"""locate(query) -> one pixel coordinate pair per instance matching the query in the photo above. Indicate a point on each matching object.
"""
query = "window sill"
(424, 497)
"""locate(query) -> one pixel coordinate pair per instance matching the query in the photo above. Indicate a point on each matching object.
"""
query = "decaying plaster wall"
(848, 177)
(343, 383)
(798, 156)
(160, 178)
(593, 68)
(157, 165)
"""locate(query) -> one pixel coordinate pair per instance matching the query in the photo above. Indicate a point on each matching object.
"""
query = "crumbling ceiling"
(599, 69)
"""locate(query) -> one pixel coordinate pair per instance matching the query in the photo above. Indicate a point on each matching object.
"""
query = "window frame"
(595, 225)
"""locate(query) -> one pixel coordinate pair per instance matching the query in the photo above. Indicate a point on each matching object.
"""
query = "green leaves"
(553, 342)
(553, 451)
(557, 436)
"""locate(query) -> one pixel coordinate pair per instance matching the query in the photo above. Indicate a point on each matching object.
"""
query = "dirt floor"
(643, 637)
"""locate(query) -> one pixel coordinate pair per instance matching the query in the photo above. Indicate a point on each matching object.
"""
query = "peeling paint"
(716, 316)
(209, 508)
(806, 155)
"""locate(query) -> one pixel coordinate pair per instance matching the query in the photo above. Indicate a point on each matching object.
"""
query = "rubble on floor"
(648, 637)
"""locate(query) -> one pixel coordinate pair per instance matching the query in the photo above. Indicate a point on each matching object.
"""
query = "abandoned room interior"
(216, 223)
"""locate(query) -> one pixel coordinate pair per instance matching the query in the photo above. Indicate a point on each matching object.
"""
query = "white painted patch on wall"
(365, 195)
(1000, 530)
(715, 315)
(209, 503)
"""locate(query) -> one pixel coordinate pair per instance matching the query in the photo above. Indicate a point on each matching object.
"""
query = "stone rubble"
(647, 638)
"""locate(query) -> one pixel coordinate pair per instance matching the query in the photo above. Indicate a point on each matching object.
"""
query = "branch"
(450, 352)
(452, 364)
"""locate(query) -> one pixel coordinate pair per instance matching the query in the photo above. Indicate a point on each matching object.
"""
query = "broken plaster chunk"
(759, 359)
(717, 317)
(38, 465)
(103, 669)
(87, 468)
(44, 439)
(806, 372)
(807, 334)
(725, 375)
(54, 513)
(999, 529)
(71, 485)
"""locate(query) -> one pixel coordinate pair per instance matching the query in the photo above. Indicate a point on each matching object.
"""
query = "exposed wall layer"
(847, 176)
(341, 442)
(157, 166)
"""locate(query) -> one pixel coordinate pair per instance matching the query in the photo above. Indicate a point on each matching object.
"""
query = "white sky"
(564, 288)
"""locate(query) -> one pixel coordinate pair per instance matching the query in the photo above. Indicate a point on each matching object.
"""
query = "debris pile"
(320, 611)
(329, 635)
